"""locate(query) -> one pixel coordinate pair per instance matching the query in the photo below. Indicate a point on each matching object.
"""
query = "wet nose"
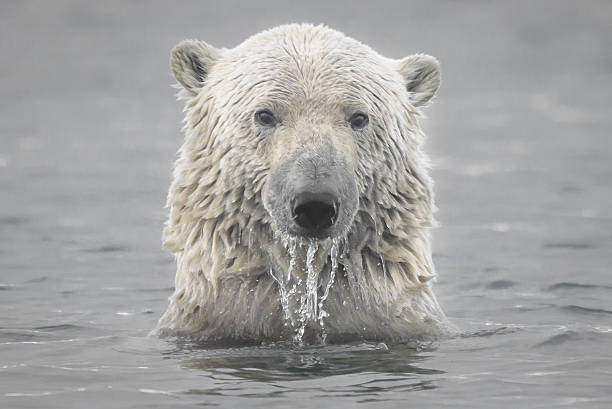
(315, 211)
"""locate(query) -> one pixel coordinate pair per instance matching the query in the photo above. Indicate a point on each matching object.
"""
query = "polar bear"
(301, 204)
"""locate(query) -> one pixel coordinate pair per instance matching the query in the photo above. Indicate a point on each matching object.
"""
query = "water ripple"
(490, 332)
(500, 284)
(580, 334)
(571, 286)
(585, 310)
(562, 338)
(55, 341)
(107, 249)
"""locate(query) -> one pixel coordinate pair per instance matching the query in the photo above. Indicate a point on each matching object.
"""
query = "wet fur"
(225, 241)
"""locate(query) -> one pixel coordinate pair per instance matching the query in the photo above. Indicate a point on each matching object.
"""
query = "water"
(299, 298)
(302, 299)
(334, 256)
(308, 298)
(520, 141)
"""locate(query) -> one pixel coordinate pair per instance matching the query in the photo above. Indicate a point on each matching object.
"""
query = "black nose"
(315, 212)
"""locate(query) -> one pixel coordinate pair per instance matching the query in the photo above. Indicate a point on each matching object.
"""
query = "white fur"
(223, 237)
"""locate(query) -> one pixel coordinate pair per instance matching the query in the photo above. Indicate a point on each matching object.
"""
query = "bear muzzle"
(313, 195)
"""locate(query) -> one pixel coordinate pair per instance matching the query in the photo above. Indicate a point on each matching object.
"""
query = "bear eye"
(358, 120)
(265, 118)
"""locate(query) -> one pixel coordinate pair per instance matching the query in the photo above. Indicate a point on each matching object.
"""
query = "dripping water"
(308, 299)
(283, 282)
(284, 295)
(311, 281)
(332, 275)
(299, 298)
(292, 257)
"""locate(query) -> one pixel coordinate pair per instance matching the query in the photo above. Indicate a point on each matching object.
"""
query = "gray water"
(520, 140)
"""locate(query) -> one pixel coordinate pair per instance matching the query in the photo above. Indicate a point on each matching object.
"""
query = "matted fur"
(225, 240)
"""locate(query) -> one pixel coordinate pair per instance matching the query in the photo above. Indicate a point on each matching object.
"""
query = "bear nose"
(315, 211)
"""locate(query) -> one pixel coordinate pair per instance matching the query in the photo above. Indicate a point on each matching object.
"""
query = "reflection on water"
(365, 372)
(289, 362)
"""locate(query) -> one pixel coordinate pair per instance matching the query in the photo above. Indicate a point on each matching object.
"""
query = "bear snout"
(313, 195)
(321, 208)
(315, 210)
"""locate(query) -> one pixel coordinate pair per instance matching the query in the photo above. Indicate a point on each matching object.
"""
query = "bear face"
(301, 135)
(315, 113)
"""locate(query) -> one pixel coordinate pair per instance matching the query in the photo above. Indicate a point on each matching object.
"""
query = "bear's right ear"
(191, 61)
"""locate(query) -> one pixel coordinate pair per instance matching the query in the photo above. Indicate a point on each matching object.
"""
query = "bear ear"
(421, 74)
(191, 61)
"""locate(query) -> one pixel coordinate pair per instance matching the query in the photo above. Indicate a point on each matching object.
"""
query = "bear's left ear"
(191, 61)
(421, 74)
